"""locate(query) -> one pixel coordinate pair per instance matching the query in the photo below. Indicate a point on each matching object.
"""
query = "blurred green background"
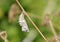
(35, 8)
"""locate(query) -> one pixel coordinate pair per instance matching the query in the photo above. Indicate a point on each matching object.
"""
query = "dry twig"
(3, 35)
(32, 21)
(47, 21)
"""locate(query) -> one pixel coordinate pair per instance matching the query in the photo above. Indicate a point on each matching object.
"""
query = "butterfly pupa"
(23, 22)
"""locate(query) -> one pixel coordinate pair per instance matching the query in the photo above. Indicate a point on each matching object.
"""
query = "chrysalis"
(23, 23)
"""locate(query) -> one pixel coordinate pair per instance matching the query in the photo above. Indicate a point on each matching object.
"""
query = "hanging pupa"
(23, 22)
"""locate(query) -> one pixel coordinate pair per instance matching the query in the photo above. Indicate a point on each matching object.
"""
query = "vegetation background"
(35, 8)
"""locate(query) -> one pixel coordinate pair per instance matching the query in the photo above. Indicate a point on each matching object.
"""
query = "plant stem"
(53, 31)
(32, 21)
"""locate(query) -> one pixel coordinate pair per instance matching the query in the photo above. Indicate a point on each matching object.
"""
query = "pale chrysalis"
(23, 23)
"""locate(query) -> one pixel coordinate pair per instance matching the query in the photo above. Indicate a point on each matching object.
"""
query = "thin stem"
(53, 31)
(3, 35)
(32, 21)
